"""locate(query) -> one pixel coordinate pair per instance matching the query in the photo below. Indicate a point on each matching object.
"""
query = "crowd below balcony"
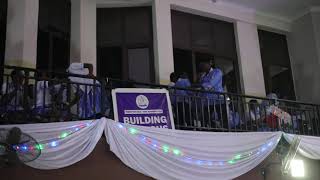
(201, 106)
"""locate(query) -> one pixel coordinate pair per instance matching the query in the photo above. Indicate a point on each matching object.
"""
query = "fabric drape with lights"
(309, 145)
(172, 154)
(62, 144)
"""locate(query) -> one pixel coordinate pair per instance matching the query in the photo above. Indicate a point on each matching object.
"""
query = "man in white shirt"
(89, 98)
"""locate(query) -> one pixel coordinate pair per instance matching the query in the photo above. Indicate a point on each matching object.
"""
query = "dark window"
(53, 50)
(276, 64)
(125, 43)
(183, 62)
(199, 39)
(3, 29)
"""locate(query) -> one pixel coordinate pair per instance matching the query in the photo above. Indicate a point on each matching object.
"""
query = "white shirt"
(43, 91)
(78, 68)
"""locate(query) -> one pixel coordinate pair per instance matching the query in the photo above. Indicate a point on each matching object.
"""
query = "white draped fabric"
(64, 143)
(174, 154)
(160, 153)
(309, 145)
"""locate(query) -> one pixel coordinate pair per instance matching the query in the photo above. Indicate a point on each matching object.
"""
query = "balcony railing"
(53, 96)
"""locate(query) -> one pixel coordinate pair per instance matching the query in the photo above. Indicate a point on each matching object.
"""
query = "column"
(163, 48)
(83, 32)
(22, 33)
(250, 64)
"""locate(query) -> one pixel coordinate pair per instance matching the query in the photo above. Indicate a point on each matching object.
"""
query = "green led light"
(176, 152)
(165, 148)
(63, 135)
(39, 146)
(237, 157)
(231, 162)
(133, 131)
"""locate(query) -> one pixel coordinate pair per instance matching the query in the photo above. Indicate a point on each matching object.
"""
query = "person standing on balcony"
(211, 80)
(182, 100)
(13, 91)
(42, 95)
(173, 80)
(15, 99)
(88, 91)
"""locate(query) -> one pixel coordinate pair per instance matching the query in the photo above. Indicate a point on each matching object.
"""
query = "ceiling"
(284, 8)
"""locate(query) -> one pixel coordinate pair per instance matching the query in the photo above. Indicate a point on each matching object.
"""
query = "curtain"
(175, 154)
(65, 143)
(309, 145)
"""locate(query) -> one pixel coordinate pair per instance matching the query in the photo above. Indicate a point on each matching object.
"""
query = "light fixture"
(297, 168)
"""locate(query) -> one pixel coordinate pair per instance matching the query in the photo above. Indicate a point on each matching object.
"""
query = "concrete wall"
(305, 59)
(22, 34)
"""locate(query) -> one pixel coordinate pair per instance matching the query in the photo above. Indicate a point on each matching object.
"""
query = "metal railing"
(29, 96)
(42, 96)
(197, 109)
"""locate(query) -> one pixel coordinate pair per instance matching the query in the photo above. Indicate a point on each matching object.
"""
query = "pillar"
(163, 48)
(83, 32)
(250, 64)
(22, 33)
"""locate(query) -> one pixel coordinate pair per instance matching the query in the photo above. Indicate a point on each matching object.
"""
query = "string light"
(54, 143)
(177, 152)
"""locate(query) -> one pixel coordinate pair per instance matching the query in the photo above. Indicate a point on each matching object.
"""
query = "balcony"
(42, 97)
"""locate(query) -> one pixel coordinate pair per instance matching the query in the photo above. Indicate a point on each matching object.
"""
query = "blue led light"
(263, 149)
(120, 125)
(77, 129)
(154, 145)
(270, 144)
(53, 144)
(24, 147)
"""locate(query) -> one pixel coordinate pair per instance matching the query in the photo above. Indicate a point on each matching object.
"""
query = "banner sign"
(144, 107)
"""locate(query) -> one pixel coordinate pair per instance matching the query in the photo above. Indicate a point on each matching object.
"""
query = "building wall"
(22, 38)
(305, 58)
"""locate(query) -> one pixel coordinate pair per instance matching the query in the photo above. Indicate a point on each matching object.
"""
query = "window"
(276, 64)
(53, 50)
(125, 43)
(199, 39)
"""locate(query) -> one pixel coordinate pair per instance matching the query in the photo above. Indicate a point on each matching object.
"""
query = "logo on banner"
(144, 107)
(142, 102)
